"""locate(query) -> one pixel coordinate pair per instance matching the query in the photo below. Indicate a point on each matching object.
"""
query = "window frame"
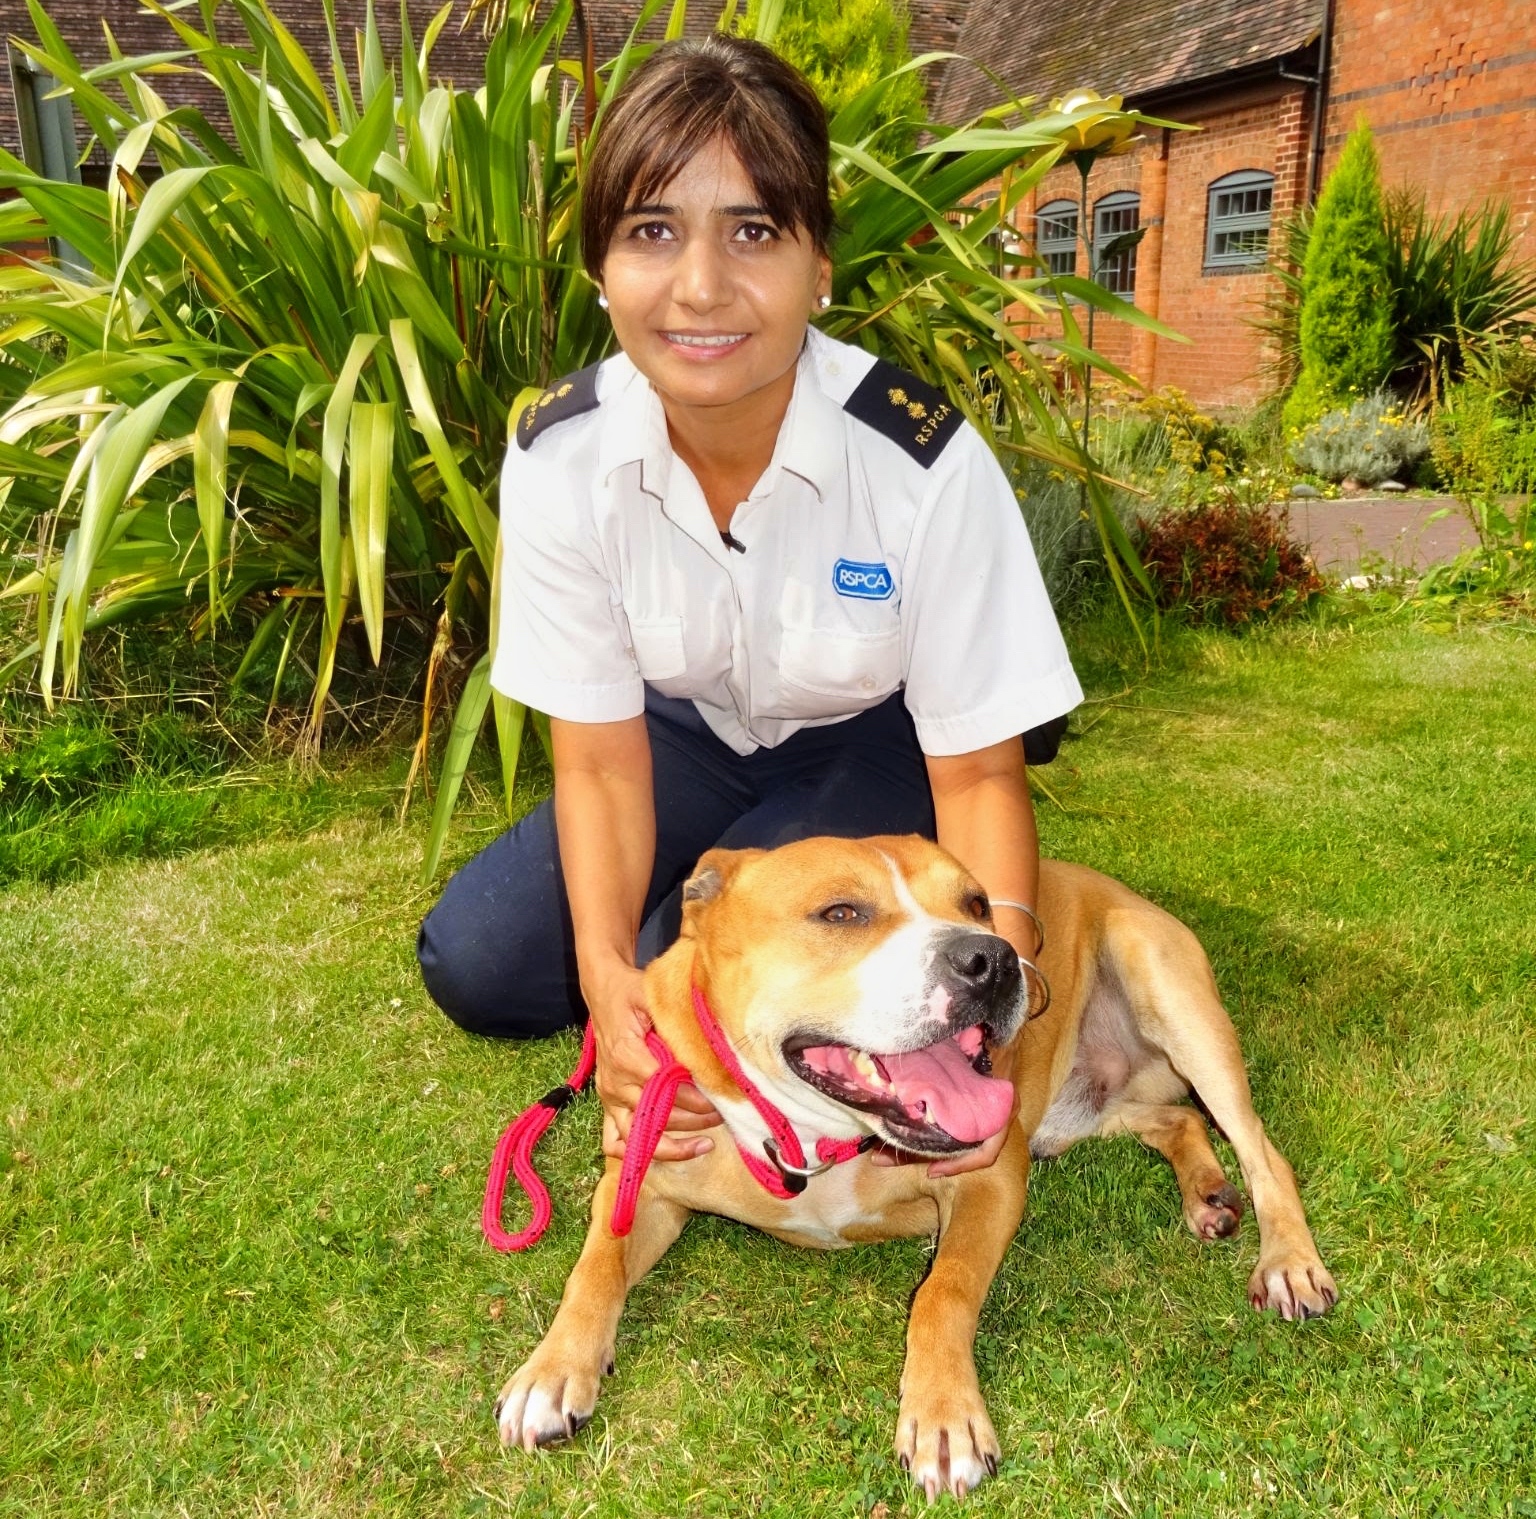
(1237, 223)
(1124, 264)
(1047, 248)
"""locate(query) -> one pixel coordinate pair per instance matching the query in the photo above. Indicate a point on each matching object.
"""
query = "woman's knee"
(489, 983)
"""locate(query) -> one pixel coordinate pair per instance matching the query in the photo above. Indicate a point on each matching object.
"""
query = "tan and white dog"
(863, 992)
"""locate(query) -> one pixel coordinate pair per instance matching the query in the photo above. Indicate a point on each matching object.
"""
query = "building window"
(1056, 237)
(1113, 217)
(1237, 226)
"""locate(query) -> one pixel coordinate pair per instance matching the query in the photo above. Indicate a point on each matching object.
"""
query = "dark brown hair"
(689, 94)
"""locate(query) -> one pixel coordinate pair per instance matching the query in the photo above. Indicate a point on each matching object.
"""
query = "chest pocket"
(835, 674)
(659, 650)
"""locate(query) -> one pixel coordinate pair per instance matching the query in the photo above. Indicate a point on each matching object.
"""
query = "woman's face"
(709, 297)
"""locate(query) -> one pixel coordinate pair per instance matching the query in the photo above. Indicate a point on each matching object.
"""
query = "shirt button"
(868, 683)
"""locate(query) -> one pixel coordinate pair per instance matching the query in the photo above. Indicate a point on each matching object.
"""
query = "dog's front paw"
(548, 1398)
(1298, 1288)
(946, 1441)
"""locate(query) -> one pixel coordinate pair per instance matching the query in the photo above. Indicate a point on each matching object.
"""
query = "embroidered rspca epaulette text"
(909, 411)
(566, 398)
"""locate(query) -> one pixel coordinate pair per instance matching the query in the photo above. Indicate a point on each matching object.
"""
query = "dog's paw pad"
(1218, 1214)
(948, 1447)
(1301, 1289)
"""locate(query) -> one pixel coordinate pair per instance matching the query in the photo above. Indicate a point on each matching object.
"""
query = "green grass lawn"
(240, 1262)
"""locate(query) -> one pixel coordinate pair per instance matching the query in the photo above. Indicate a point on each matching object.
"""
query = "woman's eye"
(757, 232)
(650, 232)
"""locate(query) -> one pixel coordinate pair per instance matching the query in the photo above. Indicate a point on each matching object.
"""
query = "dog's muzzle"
(941, 1096)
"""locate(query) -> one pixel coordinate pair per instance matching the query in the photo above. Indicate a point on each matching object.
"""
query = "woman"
(764, 585)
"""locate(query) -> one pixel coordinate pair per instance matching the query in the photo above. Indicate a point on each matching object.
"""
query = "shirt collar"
(635, 428)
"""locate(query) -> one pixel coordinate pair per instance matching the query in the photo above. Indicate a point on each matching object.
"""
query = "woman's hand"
(620, 1023)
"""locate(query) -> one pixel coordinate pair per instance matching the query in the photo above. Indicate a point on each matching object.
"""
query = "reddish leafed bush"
(1225, 563)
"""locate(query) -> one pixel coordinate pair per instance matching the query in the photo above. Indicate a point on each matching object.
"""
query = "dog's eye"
(979, 908)
(841, 912)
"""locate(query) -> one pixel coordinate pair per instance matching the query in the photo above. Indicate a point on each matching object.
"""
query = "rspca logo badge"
(868, 582)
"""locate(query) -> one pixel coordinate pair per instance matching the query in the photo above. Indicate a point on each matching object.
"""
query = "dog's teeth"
(868, 1069)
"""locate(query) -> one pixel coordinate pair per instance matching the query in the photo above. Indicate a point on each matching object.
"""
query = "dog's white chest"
(828, 1207)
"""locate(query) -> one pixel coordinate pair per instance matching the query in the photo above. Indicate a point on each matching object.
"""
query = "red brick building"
(1272, 85)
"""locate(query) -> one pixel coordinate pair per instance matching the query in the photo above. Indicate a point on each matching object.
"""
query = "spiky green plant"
(274, 401)
(1346, 295)
(1457, 288)
(1279, 318)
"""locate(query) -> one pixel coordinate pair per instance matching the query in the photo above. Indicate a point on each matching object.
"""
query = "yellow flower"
(1103, 129)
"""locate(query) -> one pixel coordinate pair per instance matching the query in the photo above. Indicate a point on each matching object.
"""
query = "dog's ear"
(704, 885)
(713, 874)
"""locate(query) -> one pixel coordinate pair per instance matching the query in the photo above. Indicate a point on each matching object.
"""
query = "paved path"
(1397, 528)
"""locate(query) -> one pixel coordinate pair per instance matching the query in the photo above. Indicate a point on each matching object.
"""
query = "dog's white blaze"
(899, 1006)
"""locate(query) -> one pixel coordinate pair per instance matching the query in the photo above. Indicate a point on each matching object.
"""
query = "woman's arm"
(606, 821)
(985, 819)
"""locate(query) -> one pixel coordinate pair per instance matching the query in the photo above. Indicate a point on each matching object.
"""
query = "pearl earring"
(823, 301)
(602, 300)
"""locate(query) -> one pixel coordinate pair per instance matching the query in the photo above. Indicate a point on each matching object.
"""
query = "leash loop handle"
(514, 1152)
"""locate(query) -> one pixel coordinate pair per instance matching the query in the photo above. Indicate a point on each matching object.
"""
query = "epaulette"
(909, 411)
(566, 398)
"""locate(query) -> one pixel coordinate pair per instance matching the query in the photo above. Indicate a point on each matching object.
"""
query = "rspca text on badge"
(870, 582)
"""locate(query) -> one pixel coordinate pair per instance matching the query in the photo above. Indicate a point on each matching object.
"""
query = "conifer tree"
(1346, 297)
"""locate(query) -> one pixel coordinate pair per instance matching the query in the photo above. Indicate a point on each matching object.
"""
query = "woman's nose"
(702, 278)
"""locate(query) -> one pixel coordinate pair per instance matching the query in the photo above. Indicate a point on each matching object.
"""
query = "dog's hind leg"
(1213, 1207)
(552, 1395)
(1177, 1009)
(943, 1434)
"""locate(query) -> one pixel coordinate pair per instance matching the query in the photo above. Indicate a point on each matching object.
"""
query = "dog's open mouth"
(934, 1100)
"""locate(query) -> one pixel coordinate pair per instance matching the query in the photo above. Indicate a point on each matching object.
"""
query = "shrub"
(1370, 441)
(1484, 442)
(60, 762)
(1063, 534)
(844, 50)
(1346, 297)
(1226, 564)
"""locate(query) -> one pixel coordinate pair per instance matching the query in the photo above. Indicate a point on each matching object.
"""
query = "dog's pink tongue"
(968, 1106)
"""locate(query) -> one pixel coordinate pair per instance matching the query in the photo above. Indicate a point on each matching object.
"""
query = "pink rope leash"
(784, 1174)
(514, 1151)
(645, 1131)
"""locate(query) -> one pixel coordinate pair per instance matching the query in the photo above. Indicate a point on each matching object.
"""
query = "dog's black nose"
(983, 966)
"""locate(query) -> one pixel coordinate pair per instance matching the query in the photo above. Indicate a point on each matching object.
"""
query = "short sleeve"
(985, 658)
(561, 643)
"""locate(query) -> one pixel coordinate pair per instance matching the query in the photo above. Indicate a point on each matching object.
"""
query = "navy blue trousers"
(497, 953)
